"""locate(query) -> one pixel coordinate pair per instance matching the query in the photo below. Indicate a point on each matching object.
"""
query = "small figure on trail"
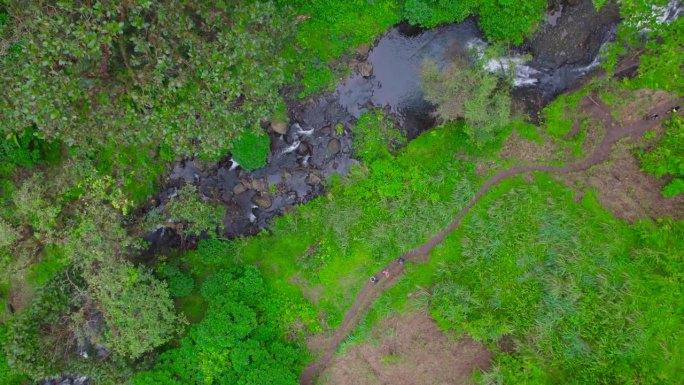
(401, 260)
(385, 273)
(653, 116)
(675, 109)
(374, 279)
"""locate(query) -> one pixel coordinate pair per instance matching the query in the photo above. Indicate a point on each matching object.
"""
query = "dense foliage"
(470, 93)
(191, 74)
(237, 342)
(495, 16)
(99, 96)
(582, 296)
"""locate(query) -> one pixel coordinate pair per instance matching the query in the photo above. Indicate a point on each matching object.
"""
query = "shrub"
(193, 215)
(250, 150)
(430, 13)
(180, 283)
(214, 251)
(667, 158)
(375, 137)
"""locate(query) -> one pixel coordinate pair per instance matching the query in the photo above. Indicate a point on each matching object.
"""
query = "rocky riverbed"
(317, 142)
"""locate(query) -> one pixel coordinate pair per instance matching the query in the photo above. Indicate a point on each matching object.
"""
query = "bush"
(470, 93)
(192, 215)
(251, 150)
(667, 158)
(500, 20)
(375, 137)
(180, 283)
(430, 13)
(214, 251)
(237, 342)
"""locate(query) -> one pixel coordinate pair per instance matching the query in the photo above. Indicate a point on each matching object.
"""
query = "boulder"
(334, 147)
(239, 189)
(363, 50)
(279, 127)
(313, 179)
(259, 185)
(262, 200)
(365, 69)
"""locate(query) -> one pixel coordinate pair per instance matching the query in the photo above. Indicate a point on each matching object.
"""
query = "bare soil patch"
(625, 190)
(409, 350)
(526, 151)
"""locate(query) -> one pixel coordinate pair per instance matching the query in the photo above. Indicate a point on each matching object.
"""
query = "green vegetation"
(667, 158)
(250, 150)
(189, 213)
(495, 17)
(470, 93)
(376, 137)
(237, 341)
(101, 96)
(578, 291)
(189, 74)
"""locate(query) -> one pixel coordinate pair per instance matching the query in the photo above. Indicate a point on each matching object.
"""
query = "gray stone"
(334, 146)
(363, 50)
(313, 179)
(239, 189)
(365, 69)
(262, 200)
(259, 185)
(279, 127)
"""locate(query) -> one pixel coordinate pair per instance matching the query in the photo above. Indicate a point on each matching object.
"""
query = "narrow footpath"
(614, 133)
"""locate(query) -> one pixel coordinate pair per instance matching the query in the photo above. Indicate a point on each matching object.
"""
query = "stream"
(318, 142)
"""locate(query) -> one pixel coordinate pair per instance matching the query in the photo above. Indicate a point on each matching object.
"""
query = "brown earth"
(407, 350)
(626, 191)
(601, 115)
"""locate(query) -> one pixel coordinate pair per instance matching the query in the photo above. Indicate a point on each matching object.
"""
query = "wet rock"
(334, 147)
(304, 149)
(262, 200)
(279, 127)
(259, 185)
(227, 195)
(365, 69)
(363, 50)
(186, 171)
(313, 179)
(239, 189)
(575, 36)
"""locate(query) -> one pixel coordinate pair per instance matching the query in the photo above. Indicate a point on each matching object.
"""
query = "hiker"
(401, 260)
(374, 279)
(385, 273)
(653, 116)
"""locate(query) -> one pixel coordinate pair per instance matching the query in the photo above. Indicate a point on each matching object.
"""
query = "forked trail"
(614, 132)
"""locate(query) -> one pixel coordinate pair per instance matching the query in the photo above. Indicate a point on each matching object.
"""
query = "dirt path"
(614, 132)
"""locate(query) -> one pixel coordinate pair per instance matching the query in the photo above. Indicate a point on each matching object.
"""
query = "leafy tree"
(138, 312)
(236, 343)
(8, 234)
(192, 215)
(191, 73)
(180, 283)
(470, 93)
